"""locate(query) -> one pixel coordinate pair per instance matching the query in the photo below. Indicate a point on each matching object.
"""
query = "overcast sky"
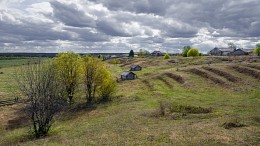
(121, 25)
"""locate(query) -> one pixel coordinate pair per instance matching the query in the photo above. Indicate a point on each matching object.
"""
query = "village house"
(237, 52)
(157, 53)
(127, 75)
(221, 51)
(135, 68)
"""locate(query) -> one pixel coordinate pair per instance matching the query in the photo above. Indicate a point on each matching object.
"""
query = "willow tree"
(68, 70)
(97, 79)
(38, 83)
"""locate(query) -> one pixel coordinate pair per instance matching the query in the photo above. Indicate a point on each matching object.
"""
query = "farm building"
(128, 75)
(238, 52)
(157, 53)
(221, 51)
(135, 68)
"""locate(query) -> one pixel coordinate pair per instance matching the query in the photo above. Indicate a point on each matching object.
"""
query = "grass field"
(228, 86)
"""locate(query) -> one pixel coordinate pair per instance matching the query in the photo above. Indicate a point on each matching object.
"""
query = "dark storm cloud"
(71, 15)
(110, 25)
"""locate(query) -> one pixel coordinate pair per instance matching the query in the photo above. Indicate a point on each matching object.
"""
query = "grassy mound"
(226, 75)
(206, 75)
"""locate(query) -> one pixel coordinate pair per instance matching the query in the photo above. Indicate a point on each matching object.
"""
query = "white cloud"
(109, 25)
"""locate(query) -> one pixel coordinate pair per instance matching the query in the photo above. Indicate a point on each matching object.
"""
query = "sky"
(88, 26)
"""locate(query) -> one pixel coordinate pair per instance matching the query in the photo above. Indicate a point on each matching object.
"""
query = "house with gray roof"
(157, 53)
(135, 67)
(221, 51)
(128, 75)
(237, 52)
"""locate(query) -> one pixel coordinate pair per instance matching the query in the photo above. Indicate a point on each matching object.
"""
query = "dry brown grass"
(253, 66)
(247, 71)
(175, 77)
(207, 76)
(226, 75)
(168, 84)
(148, 84)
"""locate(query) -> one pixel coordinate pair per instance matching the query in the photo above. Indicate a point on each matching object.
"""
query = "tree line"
(51, 85)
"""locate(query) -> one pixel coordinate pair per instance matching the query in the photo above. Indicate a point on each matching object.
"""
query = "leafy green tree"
(185, 51)
(97, 79)
(166, 56)
(131, 53)
(193, 52)
(68, 69)
(107, 88)
(257, 49)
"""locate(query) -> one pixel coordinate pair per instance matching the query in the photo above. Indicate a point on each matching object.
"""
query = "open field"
(199, 101)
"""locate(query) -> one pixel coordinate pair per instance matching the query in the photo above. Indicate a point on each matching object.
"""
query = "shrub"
(257, 51)
(193, 52)
(114, 61)
(166, 56)
(107, 89)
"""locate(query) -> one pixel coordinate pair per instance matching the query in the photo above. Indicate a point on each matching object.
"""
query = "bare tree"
(38, 84)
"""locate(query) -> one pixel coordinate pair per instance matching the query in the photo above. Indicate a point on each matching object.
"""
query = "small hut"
(135, 68)
(128, 75)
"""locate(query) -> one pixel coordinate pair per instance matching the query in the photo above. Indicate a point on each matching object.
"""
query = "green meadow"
(197, 101)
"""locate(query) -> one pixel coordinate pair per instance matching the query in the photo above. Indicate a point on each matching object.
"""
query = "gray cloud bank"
(118, 26)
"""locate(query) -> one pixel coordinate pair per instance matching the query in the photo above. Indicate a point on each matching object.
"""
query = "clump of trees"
(97, 80)
(166, 56)
(185, 51)
(188, 52)
(143, 52)
(257, 50)
(193, 52)
(48, 85)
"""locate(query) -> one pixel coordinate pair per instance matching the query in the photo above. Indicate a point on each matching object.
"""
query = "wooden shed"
(128, 75)
(135, 68)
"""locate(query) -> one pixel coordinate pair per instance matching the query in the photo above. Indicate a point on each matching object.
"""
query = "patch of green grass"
(124, 121)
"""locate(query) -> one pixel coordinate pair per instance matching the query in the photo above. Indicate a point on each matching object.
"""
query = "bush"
(193, 52)
(107, 89)
(257, 51)
(166, 56)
